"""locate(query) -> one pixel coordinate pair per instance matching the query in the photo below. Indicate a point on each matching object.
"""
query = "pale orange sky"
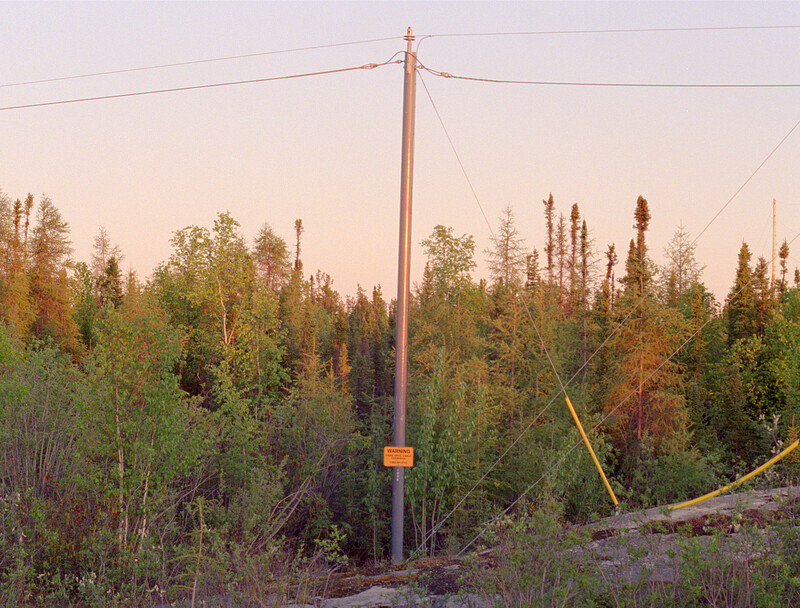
(327, 149)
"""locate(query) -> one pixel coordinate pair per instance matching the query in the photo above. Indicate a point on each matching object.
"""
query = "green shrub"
(532, 564)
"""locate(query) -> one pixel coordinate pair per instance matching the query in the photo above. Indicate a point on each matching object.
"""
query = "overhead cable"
(645, 30)
(367, 66)
(196, 62)
(747, 181)
(637, 85)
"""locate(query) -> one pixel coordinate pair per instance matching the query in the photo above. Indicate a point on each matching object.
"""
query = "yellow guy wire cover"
(591, 451)
(739, 481)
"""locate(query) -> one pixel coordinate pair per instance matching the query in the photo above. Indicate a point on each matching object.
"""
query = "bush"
(532, 564)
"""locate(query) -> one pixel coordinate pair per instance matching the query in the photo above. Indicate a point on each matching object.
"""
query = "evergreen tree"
(13, 236)
(110, 284)
(298, 231)
(645, 389)
(783, 254)
(133, 287)
(506, 347)
(583, 289)
(741, 304)
(371, 385)
(603, 327)
(549, 247)
(638, 269)
(102, 252)
(369, 346)
(507, 258)
(700, 355)
(574, 257)
(532, 279)
(331, 327)
(611, 261)
(682, 271)
(295, 311)
(561, 251)
(765, 295)
(50, 259)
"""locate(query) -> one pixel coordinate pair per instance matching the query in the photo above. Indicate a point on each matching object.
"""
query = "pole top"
(410, 35)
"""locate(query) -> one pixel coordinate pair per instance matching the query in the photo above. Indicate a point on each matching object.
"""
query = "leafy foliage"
(221, 425)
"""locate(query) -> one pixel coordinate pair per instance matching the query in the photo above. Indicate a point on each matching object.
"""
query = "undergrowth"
(536, 560)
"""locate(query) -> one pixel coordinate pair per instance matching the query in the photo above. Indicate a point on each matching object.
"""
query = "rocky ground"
(657, 534)
(626, 548)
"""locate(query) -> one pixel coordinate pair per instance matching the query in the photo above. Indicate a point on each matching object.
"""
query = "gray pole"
(403, 292)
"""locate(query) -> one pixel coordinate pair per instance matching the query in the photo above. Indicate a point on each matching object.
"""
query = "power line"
(373, 40)
(422, 37)
(196, 62)
(638, 85)
(747, 181)
(614, 31)
(367, 66)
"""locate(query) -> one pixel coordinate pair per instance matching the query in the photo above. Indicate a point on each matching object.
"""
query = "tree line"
(202, 429)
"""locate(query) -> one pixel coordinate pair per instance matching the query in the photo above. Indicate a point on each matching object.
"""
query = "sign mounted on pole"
(394, 456)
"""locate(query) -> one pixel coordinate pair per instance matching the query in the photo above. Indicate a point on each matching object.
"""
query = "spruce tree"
(644, 385)
(638, 272)
(110, 284)
(783, 254)
(102, 252)
(507, 258)
(298, 230)
(561, 251)
(741, 304)
(549, 247)
(611, 261)
(50, 258)
(682, 271)
(574, 260)
(532, 279)
(765, 295)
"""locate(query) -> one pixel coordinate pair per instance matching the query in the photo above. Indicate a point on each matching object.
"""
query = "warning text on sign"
(394, 456)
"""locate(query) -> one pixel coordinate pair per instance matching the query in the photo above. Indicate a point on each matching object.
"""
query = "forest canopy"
(187, 433)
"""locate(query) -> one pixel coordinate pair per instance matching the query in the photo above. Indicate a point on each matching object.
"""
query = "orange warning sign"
(394, 456)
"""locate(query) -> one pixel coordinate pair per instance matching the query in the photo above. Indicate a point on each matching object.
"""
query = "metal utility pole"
(403, 294)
